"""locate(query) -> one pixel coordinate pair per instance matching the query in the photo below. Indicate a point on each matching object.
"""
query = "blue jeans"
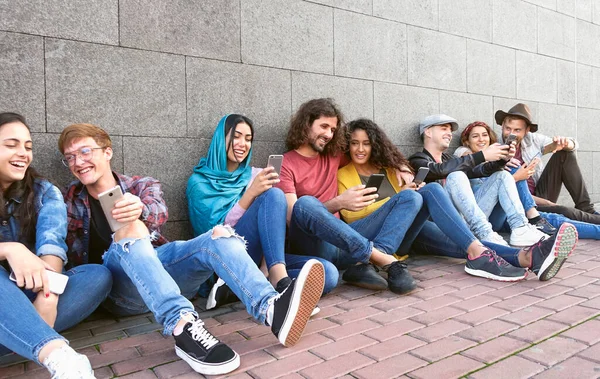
(161, 280)
(584, 230)
(263, 227)
(23, 331)
(315, 231)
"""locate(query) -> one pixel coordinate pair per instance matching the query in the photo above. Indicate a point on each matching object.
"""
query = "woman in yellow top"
(371, 152)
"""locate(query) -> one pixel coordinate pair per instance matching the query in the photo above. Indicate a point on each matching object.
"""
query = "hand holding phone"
(275, 161)
(421, 175)
(56, 282)
(511, 138)
(375, 181)
(107, 200)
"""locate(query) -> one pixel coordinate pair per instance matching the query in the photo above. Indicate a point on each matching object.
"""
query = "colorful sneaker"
(66, 363)
(490, 265)
(526, 235)
(496, 238)
(544, 226)
(548, 256)
(365, 275)
(399, 279)
(202, 351)
(220, 295)
(292, 309)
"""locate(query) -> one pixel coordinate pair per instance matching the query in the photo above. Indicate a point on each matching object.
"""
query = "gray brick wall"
(158, 75)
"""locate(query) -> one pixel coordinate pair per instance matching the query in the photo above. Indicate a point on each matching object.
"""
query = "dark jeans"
(571, 213)
(562, 168)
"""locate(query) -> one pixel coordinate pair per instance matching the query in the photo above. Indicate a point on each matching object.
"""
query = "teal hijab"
(212, 190)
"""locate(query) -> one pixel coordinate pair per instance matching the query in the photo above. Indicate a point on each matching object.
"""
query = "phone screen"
(375, 181)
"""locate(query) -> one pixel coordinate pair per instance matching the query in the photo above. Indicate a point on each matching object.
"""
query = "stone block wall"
(158, 75)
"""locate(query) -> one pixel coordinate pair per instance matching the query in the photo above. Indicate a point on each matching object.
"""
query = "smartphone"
(375, 181)
(275, 161)
(107, 200)
(421, 175)
(511, 138)
(57, 282)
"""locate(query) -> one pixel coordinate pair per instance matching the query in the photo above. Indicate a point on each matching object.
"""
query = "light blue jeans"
(23, 331)
(263, 226)
(162, 280)
(477, 203)
(315, 231)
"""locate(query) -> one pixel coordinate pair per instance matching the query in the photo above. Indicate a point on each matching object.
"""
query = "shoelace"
(202, 335)
(538, 244)
(495, 257)
(396, 267)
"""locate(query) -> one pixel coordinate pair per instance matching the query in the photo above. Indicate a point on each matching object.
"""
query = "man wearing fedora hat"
(562, 168)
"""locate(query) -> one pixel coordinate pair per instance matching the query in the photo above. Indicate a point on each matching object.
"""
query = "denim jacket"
(51, 226)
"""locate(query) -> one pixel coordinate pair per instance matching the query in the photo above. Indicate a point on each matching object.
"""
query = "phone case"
(107, 200)
(275, 161)
(57, 282)
(421, 175)
(375, 180)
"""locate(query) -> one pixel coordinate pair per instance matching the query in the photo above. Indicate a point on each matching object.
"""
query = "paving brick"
(103, 373)
(349, 329)
(442, 280)
(508, 292)
(587, 292)
(593, 303)
(131, 341)
(538, 331)
(253, 360)
(476, 303)
(473, 291)
(236, 326)
(451, 367)
(315, 326)
(97, 339)
(574, 315)
(495, 349)
(390, 368)
(254, 344)
(122, 325)
(384, 350)
(442, 348)
(436, 303)
(527, 315)
(309, 342)
(440, 330)
(517, 302)
(438, 315)
(341, 347)
(331, 300)
(487, 330)
(360, 303)
(286, 366)
(513, 367)
(143, 329)
(146, 374)
(552, 351)
(230, 317)
(573, 367)
(395, 315)
(141, 363)
(430, 293)
(353, 293)
(327, 312)
(397, 302)
(567, 272)
(173, 369)
(113, 357)
(257, 331)
(6, 372)
(592, 353)
(588, 332)
(560, 302)
(384, 333)
(354, 315)
(153, 347)
(578, 281)
(481, 315)
(337, 366)
(550, 291)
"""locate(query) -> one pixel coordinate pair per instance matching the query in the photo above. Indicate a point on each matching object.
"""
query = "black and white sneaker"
(548, 256)
(220, 294)
(490, 265)
(292, 308)
(203, 352)
(544, 226)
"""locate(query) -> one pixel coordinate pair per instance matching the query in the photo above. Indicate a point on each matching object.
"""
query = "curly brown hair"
(301, 124)
(383, 151)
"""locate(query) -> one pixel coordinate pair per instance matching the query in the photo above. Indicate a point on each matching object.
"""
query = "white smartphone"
(107, 200)
(57, 282)
(275, 161)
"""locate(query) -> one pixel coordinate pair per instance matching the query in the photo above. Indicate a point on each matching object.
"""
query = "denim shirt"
(51, 226)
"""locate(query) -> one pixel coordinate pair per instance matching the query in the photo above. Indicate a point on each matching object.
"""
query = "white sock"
(269, 319)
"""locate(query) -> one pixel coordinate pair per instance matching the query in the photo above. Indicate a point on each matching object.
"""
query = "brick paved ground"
(453, 325)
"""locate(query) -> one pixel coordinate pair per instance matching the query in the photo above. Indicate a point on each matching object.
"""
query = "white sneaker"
(496, 238)
(66, 363)
(526, 235)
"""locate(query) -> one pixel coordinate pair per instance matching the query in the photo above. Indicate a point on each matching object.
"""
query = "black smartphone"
(375, 181)
(511, 138)
(275, 161)
(421, 175)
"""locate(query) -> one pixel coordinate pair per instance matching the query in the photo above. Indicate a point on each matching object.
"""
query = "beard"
(313, 143)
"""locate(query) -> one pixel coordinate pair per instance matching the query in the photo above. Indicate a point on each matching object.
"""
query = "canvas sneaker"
(545, 227)
(490, 265)
(220, 294)
(204, 352)
(526, 235)
(496, 238)
(399, 279)
(548, 256)
(292, 308)
(284, 283)
(66, 363)
(365, 275)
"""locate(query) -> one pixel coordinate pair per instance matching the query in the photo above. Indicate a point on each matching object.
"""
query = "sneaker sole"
(487, 275)
(564, 244)
(209, 368)
(211, 301)
(307, 292)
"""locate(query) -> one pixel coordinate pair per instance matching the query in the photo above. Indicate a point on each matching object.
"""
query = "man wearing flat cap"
(562, 168)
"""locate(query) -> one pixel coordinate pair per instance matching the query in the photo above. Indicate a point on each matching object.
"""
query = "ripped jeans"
(161, 280)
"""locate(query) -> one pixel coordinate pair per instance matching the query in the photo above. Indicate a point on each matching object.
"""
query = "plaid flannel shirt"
(154, 214)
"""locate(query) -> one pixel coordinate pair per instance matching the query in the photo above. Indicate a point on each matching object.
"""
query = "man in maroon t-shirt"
(309, 180)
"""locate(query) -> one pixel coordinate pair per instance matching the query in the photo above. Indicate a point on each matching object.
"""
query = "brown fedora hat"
(520, 110)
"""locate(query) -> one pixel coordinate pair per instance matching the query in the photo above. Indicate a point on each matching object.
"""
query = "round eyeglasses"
(85, 154)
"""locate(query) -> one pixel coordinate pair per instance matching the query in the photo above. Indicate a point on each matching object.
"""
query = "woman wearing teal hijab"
(224, 189)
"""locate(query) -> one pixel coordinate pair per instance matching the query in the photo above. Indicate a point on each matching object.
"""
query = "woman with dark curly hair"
(372, 152)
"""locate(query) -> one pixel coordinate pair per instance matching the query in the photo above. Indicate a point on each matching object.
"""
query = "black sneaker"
(490, 265)
(220, 295)
(399, 279)
(548, 256)
(365, 275)
(544, 226)
(292, 309)
(283, 284)
(203, 352)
